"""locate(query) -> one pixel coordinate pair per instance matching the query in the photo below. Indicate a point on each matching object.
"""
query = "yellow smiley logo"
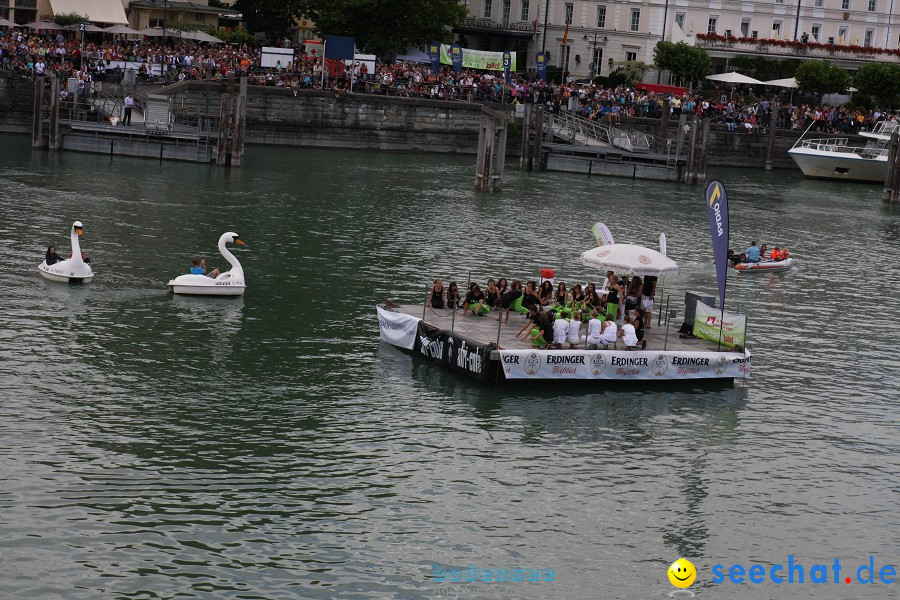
(682, 573)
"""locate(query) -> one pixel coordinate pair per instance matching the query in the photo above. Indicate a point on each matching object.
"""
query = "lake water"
(271, 447)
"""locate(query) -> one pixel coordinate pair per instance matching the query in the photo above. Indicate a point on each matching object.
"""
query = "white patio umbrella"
(628, 258)
(155, 32)
(89, 27)
(43, 25)
(734, 77)
(121, 29)
(6, 23)
(201, 36)
(790, 82)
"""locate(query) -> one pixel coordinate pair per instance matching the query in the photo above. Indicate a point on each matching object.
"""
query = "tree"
(629, 72)
(274, 17)
(385, 27)
(70, 18)
(881, 82)
(821, 77)
(687, 63)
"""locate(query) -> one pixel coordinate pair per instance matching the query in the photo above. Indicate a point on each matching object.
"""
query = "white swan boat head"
(228, 283)
(73, 270)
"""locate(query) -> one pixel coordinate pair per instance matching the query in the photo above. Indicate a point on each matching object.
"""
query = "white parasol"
(122, 30)
(733, 77)
(7, 23)
(628, 258)
(46, 25)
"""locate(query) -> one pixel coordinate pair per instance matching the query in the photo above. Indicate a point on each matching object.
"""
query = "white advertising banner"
(623, 364)
(397, 328)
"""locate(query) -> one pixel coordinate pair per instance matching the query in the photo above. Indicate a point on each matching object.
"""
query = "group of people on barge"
(555, 316)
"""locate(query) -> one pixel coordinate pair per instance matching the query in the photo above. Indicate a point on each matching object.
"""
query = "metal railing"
(580, 131)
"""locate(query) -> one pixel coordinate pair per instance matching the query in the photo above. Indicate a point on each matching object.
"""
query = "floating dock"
(483, 348)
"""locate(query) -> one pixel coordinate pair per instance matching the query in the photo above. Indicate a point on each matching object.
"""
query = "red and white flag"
(566, 35)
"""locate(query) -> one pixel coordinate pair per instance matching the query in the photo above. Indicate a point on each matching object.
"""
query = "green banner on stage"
(479, 59)
(708, 323)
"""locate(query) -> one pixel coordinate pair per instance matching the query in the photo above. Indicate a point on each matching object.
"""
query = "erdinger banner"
(624, 365)
(454, 351)
(397, 328)
(708, 323)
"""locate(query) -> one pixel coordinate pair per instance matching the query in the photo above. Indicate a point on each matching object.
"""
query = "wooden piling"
(499, 156)
(240, 121)
(770, 151)
(704, 151)
(895, 197)
(887, 195)
(691, 151)
(524, 158)
(664, 126)
(536, 158)
(54, 141)
(37, 127)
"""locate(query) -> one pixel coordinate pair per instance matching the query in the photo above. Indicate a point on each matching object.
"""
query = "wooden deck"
(485, 329)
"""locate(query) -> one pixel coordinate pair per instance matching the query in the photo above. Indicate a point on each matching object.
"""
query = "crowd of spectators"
(63, 55)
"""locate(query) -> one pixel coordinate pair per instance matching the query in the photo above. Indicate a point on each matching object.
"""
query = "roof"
(661, 89)
(182, 6)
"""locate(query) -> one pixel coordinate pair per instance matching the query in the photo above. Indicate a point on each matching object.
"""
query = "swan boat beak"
(240, 242)
(79, 231)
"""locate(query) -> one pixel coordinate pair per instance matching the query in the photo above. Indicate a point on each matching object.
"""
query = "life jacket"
(776, 254)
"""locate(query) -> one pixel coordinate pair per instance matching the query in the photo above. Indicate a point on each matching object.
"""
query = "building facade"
(137, 14)
(602, 33)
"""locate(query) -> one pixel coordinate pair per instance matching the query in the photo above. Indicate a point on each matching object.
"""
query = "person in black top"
(475, 302)
(612, 298)
(508, 298)
(51, 258)
(502, 286)
(492, 294)
(577, 294)
(638, 322)
(436, 296)
(562, 295)
(591, 298)
(545, 293)
(453, 297)
(530, 296)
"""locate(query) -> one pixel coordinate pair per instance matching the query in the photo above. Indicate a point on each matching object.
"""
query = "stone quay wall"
(16, 104)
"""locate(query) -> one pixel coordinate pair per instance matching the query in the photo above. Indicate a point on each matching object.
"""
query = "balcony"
(792, 49)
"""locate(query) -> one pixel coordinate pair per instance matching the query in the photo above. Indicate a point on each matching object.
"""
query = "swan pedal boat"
(229, 283)
(769, 266)
(72, 270)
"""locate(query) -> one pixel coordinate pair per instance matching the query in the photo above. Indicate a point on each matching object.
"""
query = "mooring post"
(37, 127)
(770, 153)
(525, 160)
(538, 139)
(500, 155)
(679, 145)
(704, 151)
(54, 114)
(896, 186)
(664, 125)
(222, 141)
(689, 166)
(887, 195)
(240, 118)
(479, 157)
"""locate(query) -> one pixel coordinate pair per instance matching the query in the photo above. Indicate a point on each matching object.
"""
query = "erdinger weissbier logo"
(532, 364)
(720, 365)
(598, 363)
(660, 365)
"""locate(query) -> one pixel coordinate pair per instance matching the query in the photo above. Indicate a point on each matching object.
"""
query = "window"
(200, 17)
(754, 34)
(505, 17)
(816, 31)
(564, 53)
(156, 22)
(488, 8)
(635, 20)
(779, 1)
(872, 5)
(630, 56)
(525, 8)
(727, 33)
(569, 10)
(776, 29)
(845, 4)
(598, 61)
(713, 23)
(818, 3)
(601, 16)
(870, 34)
(745, 27)
(679, 20)
(843, 35)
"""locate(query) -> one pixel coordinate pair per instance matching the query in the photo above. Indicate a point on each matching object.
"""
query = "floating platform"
(179, 143)
(483, 348)
(608, 160)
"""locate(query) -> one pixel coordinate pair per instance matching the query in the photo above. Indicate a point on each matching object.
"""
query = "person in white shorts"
(574, 329)
(628, 334)
(595, 328)
(608, 337)
(560, 330)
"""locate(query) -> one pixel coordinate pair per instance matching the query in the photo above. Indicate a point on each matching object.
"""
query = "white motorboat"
(835, 158)
(73, 270)
(229, 283)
